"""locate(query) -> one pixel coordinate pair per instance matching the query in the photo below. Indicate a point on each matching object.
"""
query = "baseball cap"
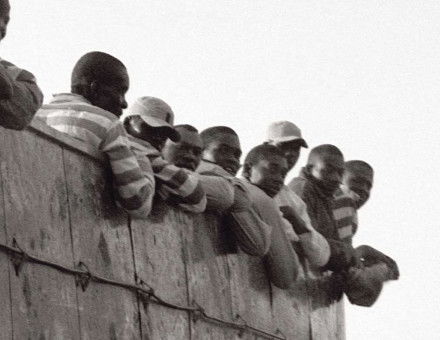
(155, 112)
(284, 131)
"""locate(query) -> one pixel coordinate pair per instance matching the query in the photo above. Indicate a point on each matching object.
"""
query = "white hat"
(284, 131)
(155, 112)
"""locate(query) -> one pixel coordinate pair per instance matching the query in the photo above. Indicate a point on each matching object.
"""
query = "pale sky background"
(363, 75)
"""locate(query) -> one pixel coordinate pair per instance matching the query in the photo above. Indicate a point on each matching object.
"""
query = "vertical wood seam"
(139, 304)
(71, 236)
(5, 229)
(185, 264)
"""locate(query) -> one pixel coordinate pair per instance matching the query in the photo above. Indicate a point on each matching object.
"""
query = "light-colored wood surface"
(36, 215)
(56, 200)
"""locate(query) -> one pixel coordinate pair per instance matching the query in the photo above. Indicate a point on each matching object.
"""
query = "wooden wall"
(56, 202)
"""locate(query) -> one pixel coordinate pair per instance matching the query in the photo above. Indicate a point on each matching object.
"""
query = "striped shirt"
(23, 96)
(174, 185)
(75, 116)
(345, 214)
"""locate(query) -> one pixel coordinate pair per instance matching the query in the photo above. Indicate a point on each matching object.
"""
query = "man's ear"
(246, 172)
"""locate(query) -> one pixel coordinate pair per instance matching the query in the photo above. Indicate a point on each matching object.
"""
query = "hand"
(5, 84)
(373, 256)
(295, 220)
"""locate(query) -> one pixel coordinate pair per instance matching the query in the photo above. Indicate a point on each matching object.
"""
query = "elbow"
(15, 121)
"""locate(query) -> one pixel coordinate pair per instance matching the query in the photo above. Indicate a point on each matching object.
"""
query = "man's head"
(186, 153)
(286, 136)
(103, 80)
(358, 177)
(326, 164)
(5, 8)
(222, 146)
(151, 119)
(266, 167)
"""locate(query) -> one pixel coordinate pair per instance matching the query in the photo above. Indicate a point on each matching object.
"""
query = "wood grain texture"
(291, 309)
(5, 296)
(158, 251)
(101, 240)
(44, 300)
(208, 271)
(251, 291)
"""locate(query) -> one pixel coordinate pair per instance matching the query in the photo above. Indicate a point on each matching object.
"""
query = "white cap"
(284, 131)
(155, 112)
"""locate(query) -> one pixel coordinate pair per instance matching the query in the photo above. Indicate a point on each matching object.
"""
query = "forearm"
(252, 234)
(315, 248)
(134, 187)
(281, 260)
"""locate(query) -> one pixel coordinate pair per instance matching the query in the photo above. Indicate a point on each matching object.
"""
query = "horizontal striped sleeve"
(139, 205)
(195, 201)
(135, 189)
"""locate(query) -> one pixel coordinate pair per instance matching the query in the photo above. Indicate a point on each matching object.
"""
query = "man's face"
(225, 151)
(268, 174)
(187, 153)
(329, 170)
(155, 136)
(359, 182)
(291, 152)
(5, 8)
(111, 96)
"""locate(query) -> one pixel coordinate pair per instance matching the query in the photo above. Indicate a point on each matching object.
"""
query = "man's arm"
(177, 186)
(134, 185)
(20, 97)
(314, 245)
(253, 235)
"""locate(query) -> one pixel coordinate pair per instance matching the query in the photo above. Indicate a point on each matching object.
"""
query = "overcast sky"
(363, 75)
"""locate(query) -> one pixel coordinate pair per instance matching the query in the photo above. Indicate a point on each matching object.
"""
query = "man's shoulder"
(72, 105)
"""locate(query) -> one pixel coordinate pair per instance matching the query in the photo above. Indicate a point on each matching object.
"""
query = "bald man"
(20, 97)
(90, 113)
(316, 185)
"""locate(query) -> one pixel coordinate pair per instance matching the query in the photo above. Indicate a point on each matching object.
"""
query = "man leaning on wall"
(90, 113)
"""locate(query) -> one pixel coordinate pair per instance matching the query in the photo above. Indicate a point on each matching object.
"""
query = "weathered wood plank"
(44, 300)
(251, 291)
(291, 309)
(208, 276)
(207, 267)
(5, 296)
(101, 240)
(164, 323)
(201, 330)
(323, 309)
(159, 262)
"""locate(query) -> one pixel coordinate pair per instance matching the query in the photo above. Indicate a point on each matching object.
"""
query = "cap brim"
(289, 139)
(159, 123)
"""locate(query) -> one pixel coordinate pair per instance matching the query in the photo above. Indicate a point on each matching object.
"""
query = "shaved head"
(324, 151)
(103, 80)
(326, 164)
(360, 167)
(97, 66)
(358, 177)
